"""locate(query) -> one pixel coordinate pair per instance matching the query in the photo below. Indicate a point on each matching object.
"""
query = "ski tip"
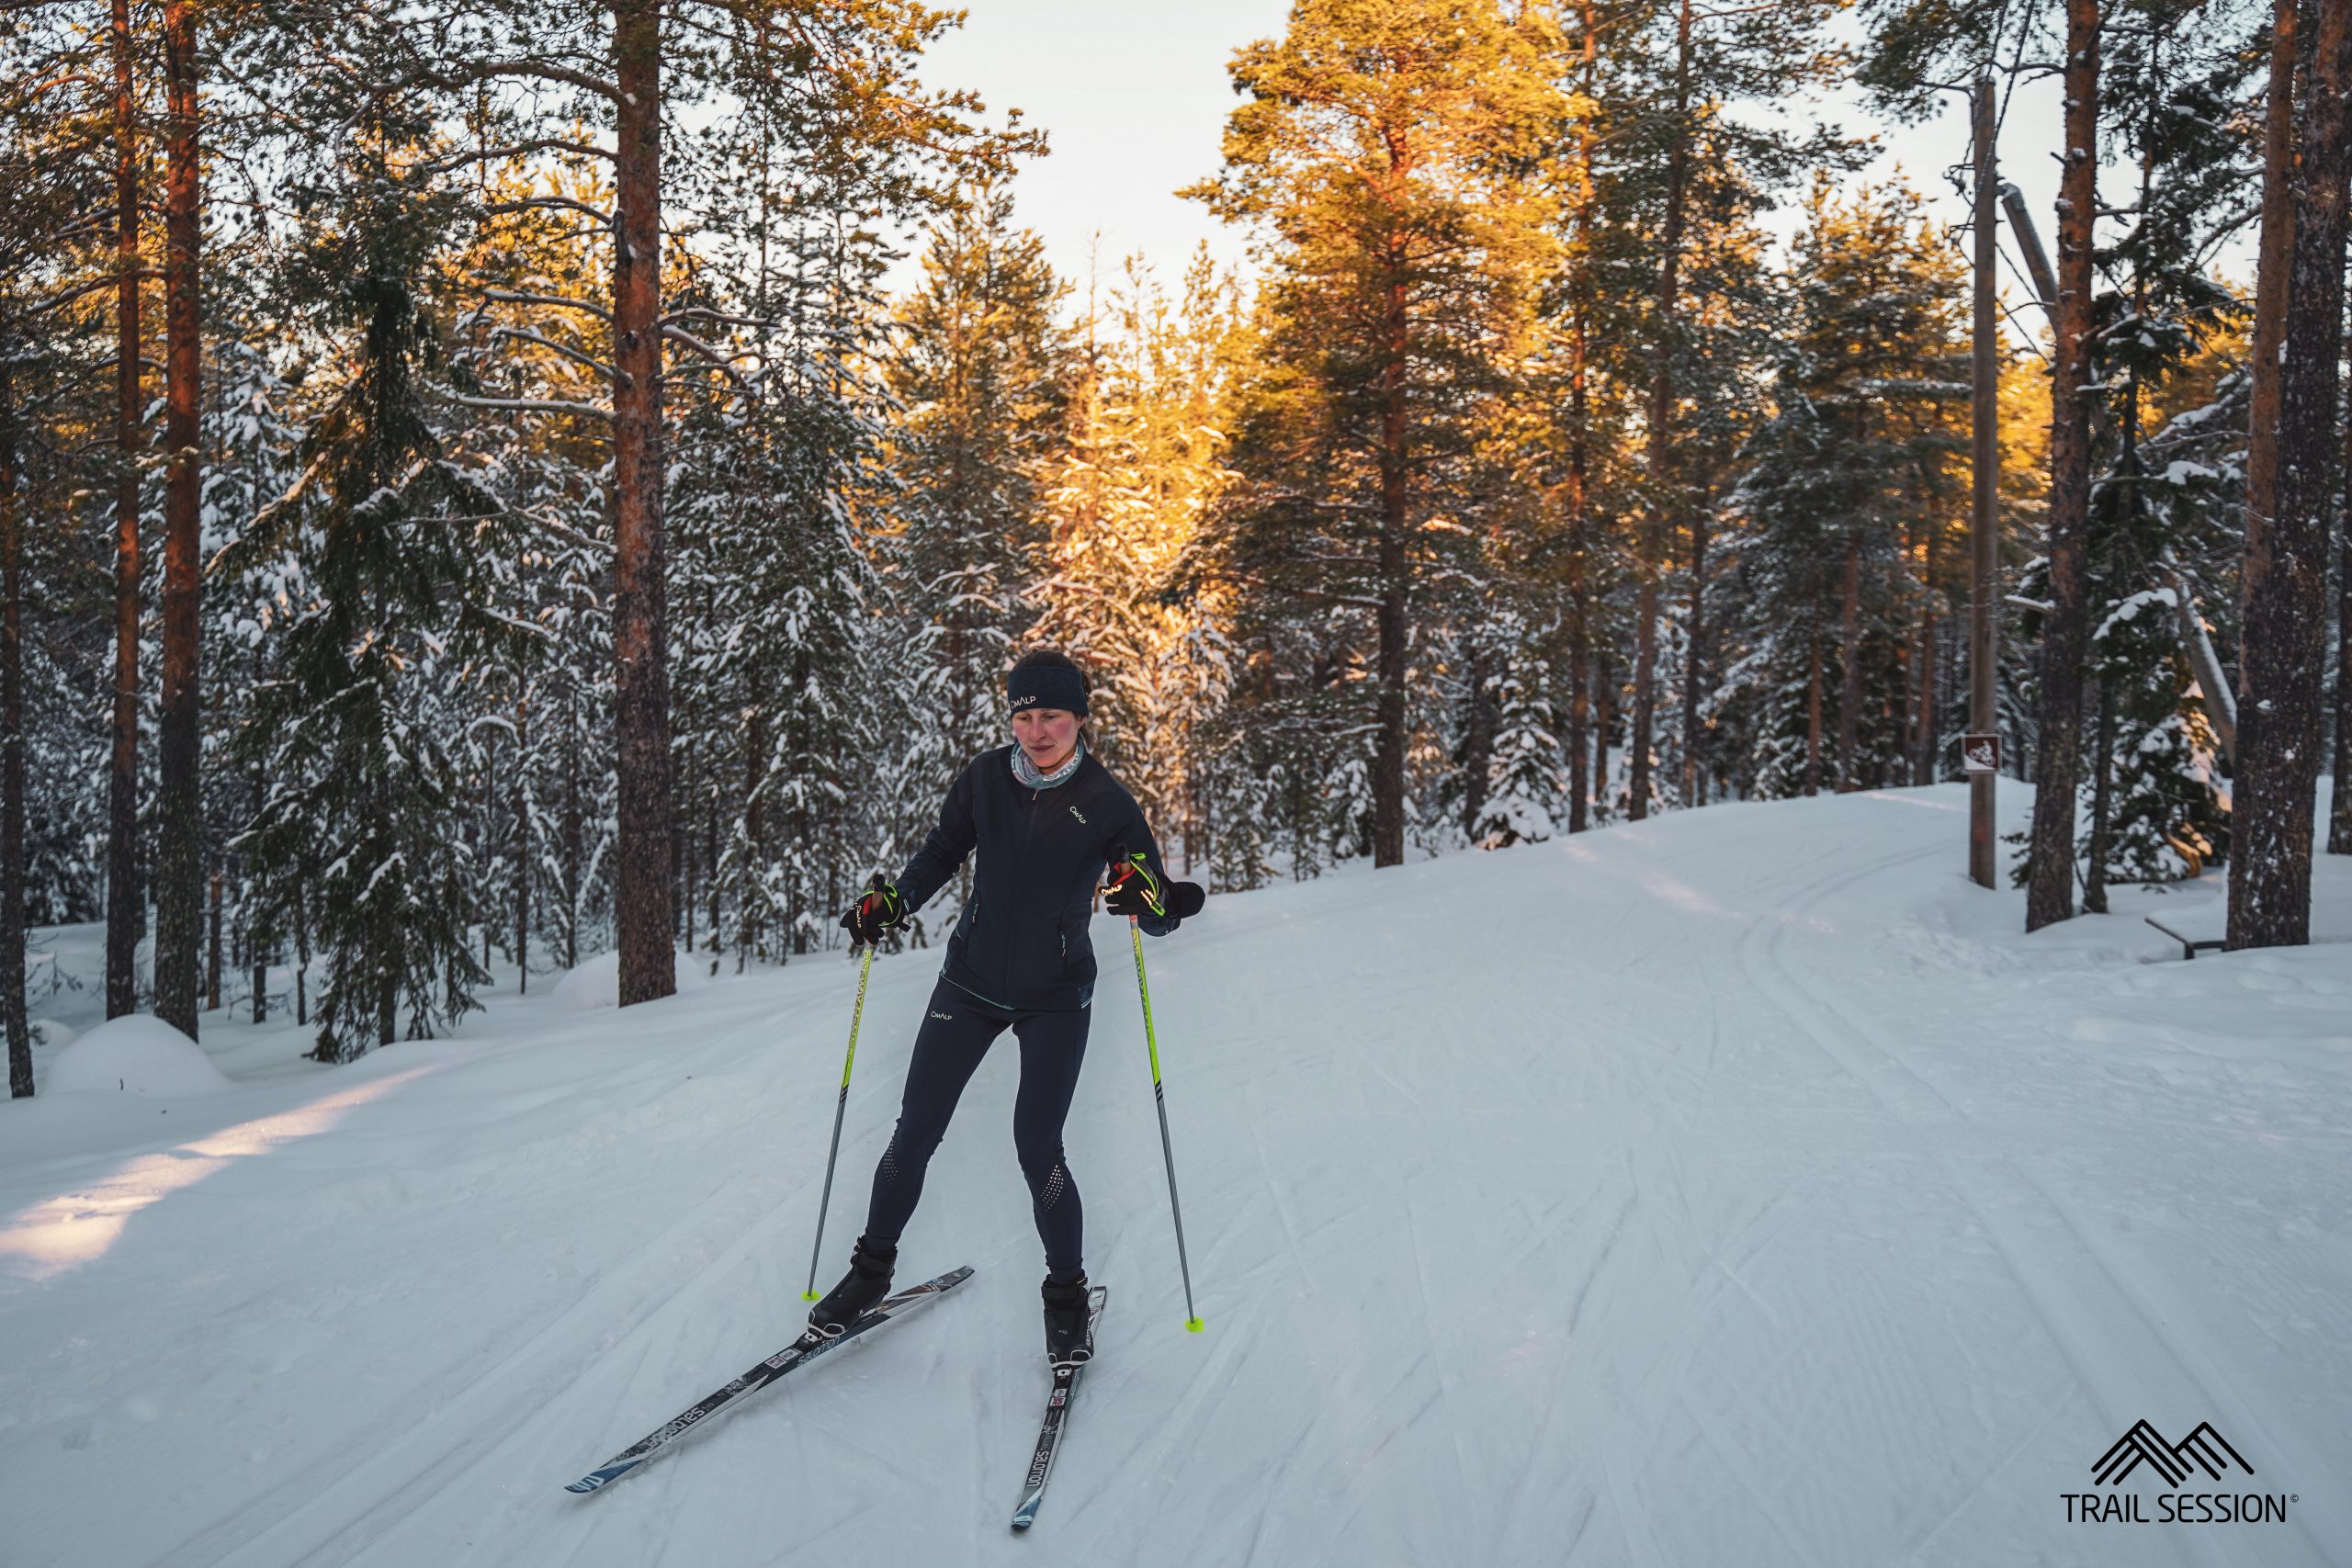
(1193, 1326)
(596, 1480)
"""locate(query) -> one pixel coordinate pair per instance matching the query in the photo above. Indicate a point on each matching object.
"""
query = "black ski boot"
(1069, 1336)
(867, 1282)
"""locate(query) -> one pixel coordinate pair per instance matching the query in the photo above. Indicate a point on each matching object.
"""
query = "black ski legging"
(957, 1029)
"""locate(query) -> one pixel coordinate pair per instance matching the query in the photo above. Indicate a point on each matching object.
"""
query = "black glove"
(881, 910)
(1133, 890)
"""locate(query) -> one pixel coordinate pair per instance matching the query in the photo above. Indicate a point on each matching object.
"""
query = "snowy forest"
(523, 480)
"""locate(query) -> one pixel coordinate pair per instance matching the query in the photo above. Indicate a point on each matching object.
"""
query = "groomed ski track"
(1734, 1187)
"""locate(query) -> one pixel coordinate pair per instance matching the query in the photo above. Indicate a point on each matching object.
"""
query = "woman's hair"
(1046, 657)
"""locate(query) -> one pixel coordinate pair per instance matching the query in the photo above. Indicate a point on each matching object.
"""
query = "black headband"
(1046, 687)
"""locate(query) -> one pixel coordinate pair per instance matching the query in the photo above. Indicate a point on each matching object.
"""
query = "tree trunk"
(179, 828)
(522, 847)
(748, 910)
(2339, 820)
(2102, 803)
(718, 883)
(259, 953)
(12, 747)
(1849, 679)
(1603, 720)
(1579, 722)
(1924, 767)
(685, 845)
(573, 826)
(1580, 450)
(301, 957)
(1694, 772)
(1655, 517)
(641, 889)
(2285, 592)
(126, 899)
(1388, 747)
(2050, 890)
(1478, 744)
(1924, 720)
(1812, 715)
(213, 953)
(489, 830)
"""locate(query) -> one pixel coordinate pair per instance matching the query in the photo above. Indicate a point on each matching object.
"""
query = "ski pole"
(1159, 1098)
(839, 1105)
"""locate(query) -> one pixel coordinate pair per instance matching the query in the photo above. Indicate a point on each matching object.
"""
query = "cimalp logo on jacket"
(949, 1016)
(1074, 811)
(2203, 1450)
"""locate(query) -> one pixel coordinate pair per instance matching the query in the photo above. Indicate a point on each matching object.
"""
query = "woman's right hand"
(881, 910)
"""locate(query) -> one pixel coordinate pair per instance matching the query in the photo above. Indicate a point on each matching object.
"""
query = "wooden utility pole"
(1985, 517)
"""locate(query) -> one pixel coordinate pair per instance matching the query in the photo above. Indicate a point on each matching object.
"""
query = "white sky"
(1134, 95)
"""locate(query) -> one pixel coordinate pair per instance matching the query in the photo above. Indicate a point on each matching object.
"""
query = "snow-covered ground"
(1741, 1188)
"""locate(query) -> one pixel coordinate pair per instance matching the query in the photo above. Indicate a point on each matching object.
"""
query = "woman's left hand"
(1133, 890)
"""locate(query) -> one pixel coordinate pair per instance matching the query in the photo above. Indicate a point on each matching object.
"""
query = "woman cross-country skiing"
(1044, 817)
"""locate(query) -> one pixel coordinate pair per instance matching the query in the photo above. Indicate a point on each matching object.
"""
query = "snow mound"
(142, 1055)
(598, 983)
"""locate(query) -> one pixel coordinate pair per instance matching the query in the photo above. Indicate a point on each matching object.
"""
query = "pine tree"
(376, 555)
(1861, 457)
(1385, 159)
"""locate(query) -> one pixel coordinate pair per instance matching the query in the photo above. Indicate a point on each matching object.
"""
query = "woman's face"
(1046, 734)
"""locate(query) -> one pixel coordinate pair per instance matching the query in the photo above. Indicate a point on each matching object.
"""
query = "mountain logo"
(2204, 1449)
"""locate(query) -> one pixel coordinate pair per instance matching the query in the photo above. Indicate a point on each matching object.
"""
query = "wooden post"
(1985, 521)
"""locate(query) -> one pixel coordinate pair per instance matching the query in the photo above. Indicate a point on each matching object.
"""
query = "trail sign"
(1980, 753)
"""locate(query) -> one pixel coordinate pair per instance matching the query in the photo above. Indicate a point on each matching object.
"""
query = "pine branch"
(510, 150)
(515, 297)
(534, 405)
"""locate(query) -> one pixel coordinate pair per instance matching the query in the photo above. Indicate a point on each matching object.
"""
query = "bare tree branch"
(724, 362)
(529, 334)
(562, 202)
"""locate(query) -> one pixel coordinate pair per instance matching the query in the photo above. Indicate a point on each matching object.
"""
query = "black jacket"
(1022, 942)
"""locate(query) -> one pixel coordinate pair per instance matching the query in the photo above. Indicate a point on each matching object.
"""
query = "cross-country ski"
(811, 1344)
(1063, 1392)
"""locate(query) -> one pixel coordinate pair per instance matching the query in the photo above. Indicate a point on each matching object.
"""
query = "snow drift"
(134, 1053)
